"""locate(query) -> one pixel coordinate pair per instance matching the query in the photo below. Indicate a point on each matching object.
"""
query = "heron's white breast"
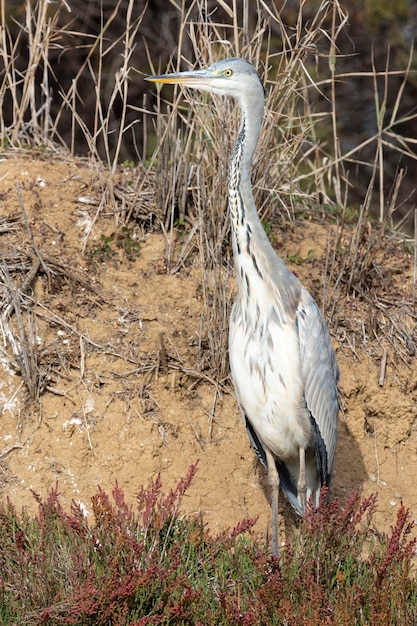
(265, 365)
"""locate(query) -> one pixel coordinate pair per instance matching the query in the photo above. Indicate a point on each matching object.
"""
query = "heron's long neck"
(249, 239)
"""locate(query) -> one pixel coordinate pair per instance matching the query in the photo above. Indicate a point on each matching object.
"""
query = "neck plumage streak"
(253, 292)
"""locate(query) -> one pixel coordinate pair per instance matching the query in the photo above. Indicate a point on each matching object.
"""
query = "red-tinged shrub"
(144, 564)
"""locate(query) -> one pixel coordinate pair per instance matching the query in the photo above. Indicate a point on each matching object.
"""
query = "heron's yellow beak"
(194, 78)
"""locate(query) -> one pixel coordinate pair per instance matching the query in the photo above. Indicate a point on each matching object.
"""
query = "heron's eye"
(228, 72)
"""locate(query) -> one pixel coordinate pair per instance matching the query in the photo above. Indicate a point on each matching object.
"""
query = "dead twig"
(197, 435)
(23, 343)
(383, 368)
(163, 355)
(60, 392)
(45, 268)
(53, 317)
(27, 281)
(19, 446)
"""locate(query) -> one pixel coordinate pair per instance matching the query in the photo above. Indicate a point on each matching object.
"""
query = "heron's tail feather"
(288, 487)
(287, 484)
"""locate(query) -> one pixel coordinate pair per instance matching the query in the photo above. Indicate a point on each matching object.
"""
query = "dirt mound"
(116, 345)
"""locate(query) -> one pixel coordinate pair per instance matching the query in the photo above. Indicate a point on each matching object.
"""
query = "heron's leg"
(301, 484)
(273, 481)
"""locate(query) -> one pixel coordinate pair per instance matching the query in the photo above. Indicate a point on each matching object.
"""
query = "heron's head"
(229, 77)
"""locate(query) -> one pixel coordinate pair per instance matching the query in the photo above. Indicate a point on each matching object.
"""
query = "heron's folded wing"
(320, 374)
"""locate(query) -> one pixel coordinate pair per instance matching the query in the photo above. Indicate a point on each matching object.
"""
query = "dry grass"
(182, 186)
(293, 172)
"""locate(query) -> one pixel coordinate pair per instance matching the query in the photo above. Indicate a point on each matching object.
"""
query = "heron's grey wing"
(321, 374)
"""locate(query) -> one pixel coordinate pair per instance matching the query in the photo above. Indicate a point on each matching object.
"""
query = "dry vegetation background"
(116, 280)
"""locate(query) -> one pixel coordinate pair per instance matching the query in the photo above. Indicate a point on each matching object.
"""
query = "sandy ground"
(114, 339)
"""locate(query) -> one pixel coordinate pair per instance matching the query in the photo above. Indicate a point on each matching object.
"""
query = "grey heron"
(281, 357)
